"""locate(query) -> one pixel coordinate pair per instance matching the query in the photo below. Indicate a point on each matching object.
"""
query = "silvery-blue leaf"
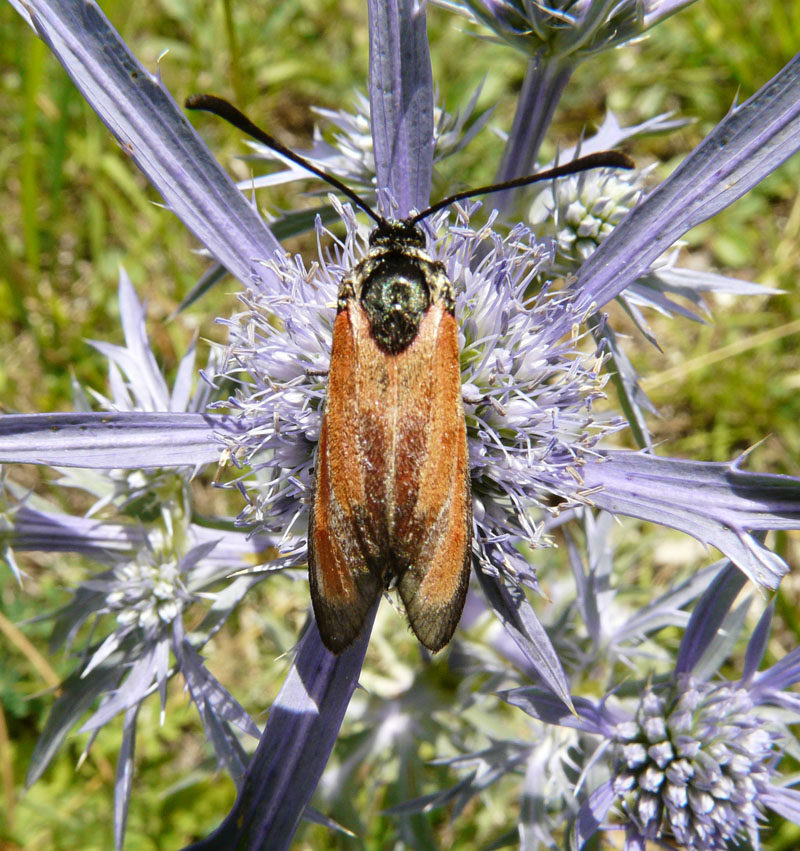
(757, 645)
(518, 617)
(301, 731)
(77, 695)
(707, 618)
(105, 440)
(401, 102)
(718, 504)
(206, 690)
(123, 780)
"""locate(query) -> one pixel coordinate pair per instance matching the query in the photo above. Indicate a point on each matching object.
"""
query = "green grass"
(74, 210)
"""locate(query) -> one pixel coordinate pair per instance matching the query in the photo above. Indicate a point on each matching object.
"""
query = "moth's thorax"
(396, 283)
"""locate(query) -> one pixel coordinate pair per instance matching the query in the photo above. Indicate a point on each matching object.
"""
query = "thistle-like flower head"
(694, 759)
(581, 210)
(694, 763)
(563, 28)
(147, 594)
(528, 401)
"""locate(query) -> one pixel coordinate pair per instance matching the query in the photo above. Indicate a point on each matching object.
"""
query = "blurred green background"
(74, 209)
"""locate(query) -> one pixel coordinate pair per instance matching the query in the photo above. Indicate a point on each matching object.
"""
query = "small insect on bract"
(392, 502)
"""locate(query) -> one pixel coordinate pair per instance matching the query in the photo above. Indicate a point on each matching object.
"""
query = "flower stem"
(541, 91)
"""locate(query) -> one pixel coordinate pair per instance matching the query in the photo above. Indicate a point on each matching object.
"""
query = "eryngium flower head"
(581, 210)
(694, 762)
(527, 403)
(564, 28)
(147, 593)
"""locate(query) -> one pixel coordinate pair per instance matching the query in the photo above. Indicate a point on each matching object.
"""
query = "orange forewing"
(392, 499)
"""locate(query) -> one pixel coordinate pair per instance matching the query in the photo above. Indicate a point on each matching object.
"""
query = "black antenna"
(219, 106)
(601, 159)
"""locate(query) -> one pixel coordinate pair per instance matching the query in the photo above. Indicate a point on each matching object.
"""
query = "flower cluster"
(565, 28)
(528, 405)
(579, 212)
(693, 758)
(694, 765)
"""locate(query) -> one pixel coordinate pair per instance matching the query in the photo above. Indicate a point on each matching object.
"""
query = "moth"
(392, 501)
